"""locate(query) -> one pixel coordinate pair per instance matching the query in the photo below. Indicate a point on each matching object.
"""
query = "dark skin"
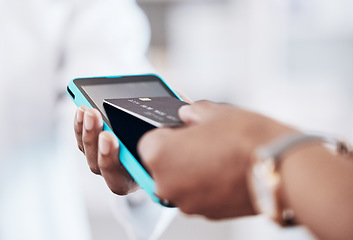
(88, 125)
(101, 149)
(213, 165)
(202, 167)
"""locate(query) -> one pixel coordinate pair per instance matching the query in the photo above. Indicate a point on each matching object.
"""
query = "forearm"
(318, 186)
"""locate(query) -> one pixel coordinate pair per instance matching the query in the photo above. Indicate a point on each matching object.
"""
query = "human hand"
(202, 168)
(101, 149)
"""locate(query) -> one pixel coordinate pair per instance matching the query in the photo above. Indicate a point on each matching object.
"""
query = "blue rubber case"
(138, 173)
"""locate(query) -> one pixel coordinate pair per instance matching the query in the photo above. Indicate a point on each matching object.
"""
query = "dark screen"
(124, 90)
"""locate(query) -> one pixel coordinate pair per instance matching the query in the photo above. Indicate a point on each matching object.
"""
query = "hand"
(202, 168)
(101, 149)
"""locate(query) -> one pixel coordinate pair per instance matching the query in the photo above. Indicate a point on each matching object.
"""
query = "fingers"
(88, 124)
(154, 147)
(92, 126)
(196, 112)
(78, 126)
(205, 111)
(117, 178)
(101, 150)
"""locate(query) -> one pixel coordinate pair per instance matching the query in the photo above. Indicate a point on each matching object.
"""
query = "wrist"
(260, 135)
(294, 165)
(270, 173)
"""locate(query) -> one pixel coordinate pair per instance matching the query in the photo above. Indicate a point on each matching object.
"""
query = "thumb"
(196, 112)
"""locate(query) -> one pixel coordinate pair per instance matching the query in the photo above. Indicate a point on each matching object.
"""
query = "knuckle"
(88, 141)
(81, 148)
(121, 191)
(95, 170)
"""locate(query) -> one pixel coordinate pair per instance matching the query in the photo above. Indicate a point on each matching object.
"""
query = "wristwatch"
(264, 178)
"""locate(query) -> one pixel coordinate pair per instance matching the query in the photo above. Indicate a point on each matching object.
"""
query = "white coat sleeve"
(110, 37)
(105, 37)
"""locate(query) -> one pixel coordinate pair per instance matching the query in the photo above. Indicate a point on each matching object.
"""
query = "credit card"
(131, 118)
(157, 111)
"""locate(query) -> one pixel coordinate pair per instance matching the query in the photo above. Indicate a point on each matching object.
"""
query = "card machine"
(91, 92)
(130, 118)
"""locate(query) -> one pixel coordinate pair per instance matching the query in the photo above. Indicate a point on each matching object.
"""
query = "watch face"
(263, 182)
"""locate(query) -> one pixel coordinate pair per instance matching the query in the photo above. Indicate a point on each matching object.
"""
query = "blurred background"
(289, 59)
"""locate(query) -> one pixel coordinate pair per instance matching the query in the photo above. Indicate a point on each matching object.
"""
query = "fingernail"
(89, 121)
(104, 146)
(79, 115)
